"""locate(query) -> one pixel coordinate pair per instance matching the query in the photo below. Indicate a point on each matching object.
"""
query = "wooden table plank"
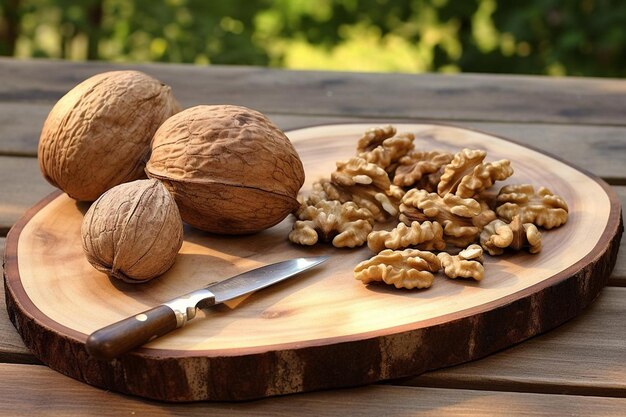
(598, 149)
(580, 357)
(21, 186)
(12, 349)
(21, 126)
(427, 96)
(36, 390)
(619, 273)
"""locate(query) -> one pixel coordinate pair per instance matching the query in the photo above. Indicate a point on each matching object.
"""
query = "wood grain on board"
(425, 96)
(36, 390)
(283, 338)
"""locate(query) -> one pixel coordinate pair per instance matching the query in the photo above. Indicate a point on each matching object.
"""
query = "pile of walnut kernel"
(440, 201)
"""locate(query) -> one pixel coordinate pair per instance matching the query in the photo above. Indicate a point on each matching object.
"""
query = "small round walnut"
(98, 135)
(133, 231)
(229, 168)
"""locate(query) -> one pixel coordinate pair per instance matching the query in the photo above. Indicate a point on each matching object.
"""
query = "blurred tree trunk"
(9, 27)
(94, 17)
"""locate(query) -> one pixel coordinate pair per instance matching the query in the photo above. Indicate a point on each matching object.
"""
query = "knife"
(118, 338)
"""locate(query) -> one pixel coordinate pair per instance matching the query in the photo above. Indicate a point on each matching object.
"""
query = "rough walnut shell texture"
(98, 135)
(230, 169)
(133, 231)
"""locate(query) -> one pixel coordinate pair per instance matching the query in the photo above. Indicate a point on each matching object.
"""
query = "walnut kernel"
(542, 208)
(462, 219)
(424, 236)
(374, 137)
(346, 224)
(459, 267)
(417, 168)
(410, 268)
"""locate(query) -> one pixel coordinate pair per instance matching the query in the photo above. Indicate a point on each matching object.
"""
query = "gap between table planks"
(426, 96)
(36, 390)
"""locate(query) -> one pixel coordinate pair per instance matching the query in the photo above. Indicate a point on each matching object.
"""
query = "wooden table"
(576, 369)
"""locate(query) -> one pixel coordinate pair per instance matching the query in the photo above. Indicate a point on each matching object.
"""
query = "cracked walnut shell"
(98, 134)
(410, 268)
(346, 224)
(467, 264)
(229, 168)
(542, 208)
(133, 231)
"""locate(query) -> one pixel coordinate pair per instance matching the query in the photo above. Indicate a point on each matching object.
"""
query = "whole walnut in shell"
(133, 231)
(229, 168)
(98, 135)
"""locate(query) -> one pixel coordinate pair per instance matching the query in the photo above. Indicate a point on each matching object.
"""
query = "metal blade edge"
(262, 277)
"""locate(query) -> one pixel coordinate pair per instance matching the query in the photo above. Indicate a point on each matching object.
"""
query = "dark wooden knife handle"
(118, 338)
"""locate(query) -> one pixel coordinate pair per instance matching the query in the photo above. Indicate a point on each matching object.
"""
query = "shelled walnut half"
(410, 268)
(358, 171)
(346, 224)
(462, 219)
(498, 235)
(542, 208)
(467, 264)
(424, 236)
(387, 154)
(418, 168)
(466, 175)
(374, 137)
(363, 183)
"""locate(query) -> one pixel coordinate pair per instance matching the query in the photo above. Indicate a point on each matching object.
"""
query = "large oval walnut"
(98, 135)
(230, 169)
(133, 231)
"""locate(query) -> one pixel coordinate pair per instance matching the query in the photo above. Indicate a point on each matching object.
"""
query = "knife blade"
(120, 337)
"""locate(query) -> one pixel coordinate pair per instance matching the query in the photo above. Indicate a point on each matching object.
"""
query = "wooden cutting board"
(322, 329)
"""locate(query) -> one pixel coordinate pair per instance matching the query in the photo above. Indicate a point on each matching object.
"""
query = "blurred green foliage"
(558, 37)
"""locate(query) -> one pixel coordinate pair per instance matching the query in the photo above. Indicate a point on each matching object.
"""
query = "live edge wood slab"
(323, 329)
